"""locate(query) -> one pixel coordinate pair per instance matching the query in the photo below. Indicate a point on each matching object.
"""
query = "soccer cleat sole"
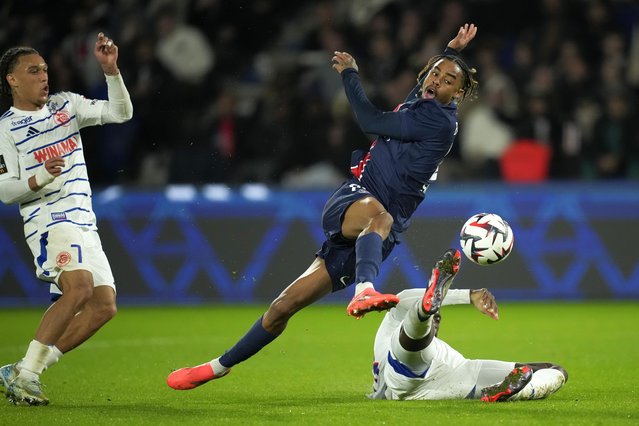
(371, 301)
(514, 382)
(21, 397)
(28, 401)
(441, 279)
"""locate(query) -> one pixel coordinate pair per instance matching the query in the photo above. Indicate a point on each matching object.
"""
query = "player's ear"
(459, 95)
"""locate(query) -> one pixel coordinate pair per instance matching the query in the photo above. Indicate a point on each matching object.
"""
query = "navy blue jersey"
(403, 160)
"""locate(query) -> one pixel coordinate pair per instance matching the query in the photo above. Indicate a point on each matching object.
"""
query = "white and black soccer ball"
(486, 238)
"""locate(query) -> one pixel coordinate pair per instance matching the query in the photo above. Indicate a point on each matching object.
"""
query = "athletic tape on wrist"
(43, 177)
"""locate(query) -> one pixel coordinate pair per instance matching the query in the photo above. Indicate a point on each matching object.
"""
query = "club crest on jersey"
(3, 165)
(52, 106)
(62, 117)
(58, 216)
(62, 259)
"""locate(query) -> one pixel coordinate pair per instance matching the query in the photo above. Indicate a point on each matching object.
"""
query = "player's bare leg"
(100, 308)
(369, 224)
(311, 286)
(77, 288)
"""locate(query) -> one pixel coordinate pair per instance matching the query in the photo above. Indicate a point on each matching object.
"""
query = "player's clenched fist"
(54, 165)
(343, 60)
(106, 52)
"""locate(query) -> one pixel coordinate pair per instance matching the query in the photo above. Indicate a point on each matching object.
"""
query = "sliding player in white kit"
(411, 363)
(42, 168)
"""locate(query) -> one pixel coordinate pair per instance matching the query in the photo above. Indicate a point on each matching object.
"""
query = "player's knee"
(106, 312)
(281, 310)
(79, 283)
(387, 221)
(79, 293)
(381, 224)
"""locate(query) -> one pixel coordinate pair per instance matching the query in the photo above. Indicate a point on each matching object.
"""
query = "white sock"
(543, 383)
(217, 367)
(33, 363)
(414, 326)
(54, 356)
(363, 286)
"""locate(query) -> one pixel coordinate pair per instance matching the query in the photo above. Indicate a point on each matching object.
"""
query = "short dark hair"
(8, 63)
(469, 84)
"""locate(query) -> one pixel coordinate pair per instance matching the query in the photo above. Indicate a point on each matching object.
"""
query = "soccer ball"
(486, 238)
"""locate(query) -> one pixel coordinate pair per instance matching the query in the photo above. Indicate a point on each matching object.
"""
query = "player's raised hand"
(484, 300)
(343, 60)
(106, 52)
(465, 34)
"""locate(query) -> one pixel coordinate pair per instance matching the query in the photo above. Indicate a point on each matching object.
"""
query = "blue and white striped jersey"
(29, 138)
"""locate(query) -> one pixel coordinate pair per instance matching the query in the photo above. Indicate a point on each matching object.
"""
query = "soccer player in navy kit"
(363, 218)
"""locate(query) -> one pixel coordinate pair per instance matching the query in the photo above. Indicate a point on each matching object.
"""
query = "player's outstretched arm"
(484, 300)
(465, 34)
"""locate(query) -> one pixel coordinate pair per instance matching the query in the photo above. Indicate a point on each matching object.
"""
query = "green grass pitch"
(318, 371)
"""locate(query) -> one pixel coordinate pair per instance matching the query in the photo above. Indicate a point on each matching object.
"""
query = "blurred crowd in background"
(243, 91)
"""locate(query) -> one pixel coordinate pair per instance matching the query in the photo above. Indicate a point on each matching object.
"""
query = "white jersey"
(29, 138)
(450, 375)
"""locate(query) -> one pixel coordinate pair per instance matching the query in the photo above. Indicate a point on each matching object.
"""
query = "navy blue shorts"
(337, 251)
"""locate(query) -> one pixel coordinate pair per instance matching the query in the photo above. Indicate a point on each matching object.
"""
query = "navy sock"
(250, 344)
(368, 255)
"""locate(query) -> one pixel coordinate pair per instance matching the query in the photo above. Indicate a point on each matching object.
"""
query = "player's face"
(29, 82)
(443, 82)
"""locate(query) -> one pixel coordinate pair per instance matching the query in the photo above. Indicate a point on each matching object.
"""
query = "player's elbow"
(12, 192)
(126, 114)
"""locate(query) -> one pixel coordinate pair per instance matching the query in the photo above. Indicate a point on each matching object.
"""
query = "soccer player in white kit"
(42, 168)
(411, 363)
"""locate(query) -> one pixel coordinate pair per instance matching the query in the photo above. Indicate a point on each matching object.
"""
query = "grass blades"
(318, 371)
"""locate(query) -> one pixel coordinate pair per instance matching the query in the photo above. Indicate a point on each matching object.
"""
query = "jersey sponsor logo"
(62, 117)
(3, 165)
(25, 120)
(58, 216)
(57, 150)
(63, 258)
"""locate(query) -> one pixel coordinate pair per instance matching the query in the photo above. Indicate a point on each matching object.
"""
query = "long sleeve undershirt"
(369, 117)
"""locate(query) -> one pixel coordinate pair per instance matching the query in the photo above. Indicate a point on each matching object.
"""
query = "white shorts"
(450, 375)
(69, 248)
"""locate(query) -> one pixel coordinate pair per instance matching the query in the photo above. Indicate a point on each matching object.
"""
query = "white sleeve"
(453, 297)
(15, 191)
(457, 297)
(119, 108)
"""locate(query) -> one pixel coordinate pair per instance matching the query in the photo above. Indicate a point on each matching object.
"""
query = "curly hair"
(469, 84)
(8, 63)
